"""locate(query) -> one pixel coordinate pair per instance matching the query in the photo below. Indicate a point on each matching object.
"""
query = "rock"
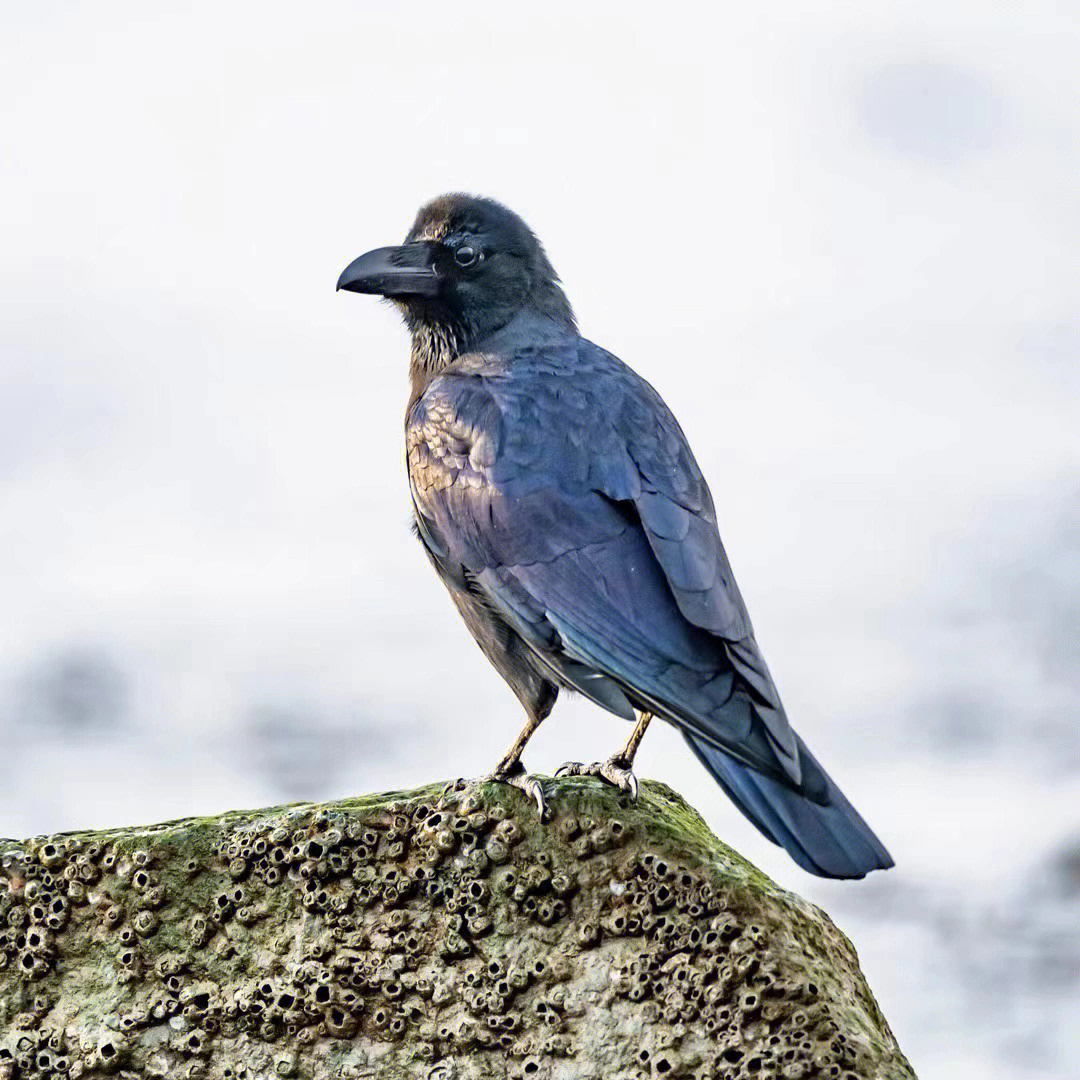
(424, 935)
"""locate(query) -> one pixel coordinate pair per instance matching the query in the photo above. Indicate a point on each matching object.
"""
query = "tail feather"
(829, 839)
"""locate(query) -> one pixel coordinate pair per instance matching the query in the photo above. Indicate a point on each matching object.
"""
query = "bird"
(559, 501)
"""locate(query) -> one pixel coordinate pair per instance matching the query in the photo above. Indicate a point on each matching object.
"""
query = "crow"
(559, 502)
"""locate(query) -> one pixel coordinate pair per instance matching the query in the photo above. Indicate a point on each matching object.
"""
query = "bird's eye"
(467, 256)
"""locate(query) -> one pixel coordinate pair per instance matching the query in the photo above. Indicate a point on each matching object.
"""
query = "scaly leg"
(617, 769)
(511, 771)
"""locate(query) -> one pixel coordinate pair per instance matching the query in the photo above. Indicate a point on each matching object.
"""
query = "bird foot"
(515, 776)
(616, 771)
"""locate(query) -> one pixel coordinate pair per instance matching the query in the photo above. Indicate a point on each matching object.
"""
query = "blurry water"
(843, 246)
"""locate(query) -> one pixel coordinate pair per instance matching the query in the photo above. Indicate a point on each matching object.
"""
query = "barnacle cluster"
(430, 935)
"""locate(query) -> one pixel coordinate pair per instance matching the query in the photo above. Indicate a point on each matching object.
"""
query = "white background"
(843, 245)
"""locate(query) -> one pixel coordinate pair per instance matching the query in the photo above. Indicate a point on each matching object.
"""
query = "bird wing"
(679, 519)
(570, 500)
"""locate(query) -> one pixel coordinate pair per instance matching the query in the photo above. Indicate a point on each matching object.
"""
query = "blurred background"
(844, 246)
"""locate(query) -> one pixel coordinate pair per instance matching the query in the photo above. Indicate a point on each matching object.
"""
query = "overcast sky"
(844, 246)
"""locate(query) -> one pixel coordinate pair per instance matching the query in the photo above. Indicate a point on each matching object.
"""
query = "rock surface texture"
(425, 936)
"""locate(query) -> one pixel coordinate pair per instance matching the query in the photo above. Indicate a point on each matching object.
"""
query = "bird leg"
(511, 771)
(617, 769)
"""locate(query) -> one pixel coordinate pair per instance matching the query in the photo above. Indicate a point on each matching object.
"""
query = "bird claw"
(535, 790)
(524, 782)
(614, 771)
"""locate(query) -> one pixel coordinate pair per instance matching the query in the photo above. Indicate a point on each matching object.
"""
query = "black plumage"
(560, 503)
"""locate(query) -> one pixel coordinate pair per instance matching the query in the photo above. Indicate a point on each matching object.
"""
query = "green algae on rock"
(429, 935)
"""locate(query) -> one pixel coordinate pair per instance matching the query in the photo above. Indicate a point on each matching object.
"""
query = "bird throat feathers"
(439, 335)
(435, 345)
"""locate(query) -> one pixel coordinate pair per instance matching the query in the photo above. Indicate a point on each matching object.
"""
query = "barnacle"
(437, 927)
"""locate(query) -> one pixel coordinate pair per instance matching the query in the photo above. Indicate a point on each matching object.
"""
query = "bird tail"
(828, 838)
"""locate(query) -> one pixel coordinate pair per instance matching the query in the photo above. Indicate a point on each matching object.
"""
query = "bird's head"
(467, 267)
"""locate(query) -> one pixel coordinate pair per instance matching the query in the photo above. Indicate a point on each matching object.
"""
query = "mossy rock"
(426, 936)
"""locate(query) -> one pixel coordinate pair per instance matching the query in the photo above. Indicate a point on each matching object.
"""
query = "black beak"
(408, 270)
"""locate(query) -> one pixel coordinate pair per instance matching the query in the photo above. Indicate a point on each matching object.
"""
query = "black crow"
(560, 504)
